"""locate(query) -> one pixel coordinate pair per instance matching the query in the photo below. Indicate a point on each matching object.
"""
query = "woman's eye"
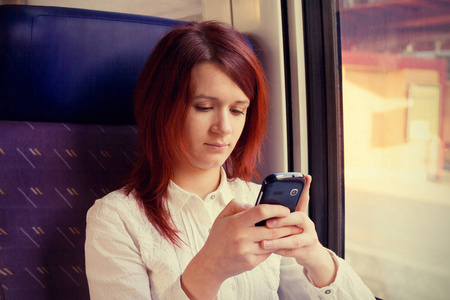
(238, 112)
(203, 108)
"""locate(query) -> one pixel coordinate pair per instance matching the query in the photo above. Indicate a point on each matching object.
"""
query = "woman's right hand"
(232, 247)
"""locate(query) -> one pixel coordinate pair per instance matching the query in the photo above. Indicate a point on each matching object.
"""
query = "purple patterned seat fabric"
(51, 173)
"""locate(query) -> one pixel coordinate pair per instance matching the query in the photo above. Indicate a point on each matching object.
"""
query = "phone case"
(282, 189)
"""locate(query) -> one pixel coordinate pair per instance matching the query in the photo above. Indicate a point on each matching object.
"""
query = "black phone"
(282, 189)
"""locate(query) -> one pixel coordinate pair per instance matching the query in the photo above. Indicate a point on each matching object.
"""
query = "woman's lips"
(217, 146)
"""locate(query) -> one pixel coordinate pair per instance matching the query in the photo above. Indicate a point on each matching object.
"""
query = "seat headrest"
(73, 65)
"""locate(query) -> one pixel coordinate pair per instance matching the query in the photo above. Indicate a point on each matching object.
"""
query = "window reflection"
(396, 97)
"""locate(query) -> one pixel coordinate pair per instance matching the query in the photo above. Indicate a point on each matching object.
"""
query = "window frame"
(325, 121)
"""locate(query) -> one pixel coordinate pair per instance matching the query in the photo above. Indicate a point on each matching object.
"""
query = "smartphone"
(282, 189)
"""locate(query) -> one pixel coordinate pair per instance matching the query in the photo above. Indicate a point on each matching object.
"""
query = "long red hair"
(162, 97)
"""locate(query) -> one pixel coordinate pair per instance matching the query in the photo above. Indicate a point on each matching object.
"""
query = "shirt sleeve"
(295, 283)
(114, 266)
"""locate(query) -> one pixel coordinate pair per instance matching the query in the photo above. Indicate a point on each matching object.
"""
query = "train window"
(396, 113)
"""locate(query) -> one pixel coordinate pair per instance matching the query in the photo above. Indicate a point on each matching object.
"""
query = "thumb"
(304, 198)
(233, 208)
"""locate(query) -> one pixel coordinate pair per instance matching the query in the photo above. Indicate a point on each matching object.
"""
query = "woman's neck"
(199, 182)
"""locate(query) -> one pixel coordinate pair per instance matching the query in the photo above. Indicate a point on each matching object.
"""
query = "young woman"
(183, 226)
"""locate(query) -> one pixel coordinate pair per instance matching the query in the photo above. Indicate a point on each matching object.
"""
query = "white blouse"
(126, 257)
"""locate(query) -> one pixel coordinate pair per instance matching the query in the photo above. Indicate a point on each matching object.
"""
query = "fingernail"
(268, 244)
(271, 222)
(246, 205)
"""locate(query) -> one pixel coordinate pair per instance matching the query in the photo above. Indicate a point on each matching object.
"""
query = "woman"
(183, 226)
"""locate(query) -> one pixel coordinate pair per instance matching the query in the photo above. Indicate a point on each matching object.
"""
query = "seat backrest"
(67, 136)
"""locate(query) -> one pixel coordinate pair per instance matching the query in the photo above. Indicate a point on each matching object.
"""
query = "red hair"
(162, 97)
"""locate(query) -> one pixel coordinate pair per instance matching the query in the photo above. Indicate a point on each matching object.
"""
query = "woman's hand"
(304, 246)
(233, 247)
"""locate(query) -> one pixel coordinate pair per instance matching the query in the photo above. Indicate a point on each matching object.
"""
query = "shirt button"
(213, 197)
(328, 292)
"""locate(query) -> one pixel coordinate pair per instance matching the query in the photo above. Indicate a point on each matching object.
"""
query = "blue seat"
(67, 136)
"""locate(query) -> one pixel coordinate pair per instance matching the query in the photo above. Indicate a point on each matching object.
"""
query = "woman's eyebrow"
(242, 102)
(202, 96)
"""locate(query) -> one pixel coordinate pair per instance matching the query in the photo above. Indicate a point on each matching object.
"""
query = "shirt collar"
(178, 197)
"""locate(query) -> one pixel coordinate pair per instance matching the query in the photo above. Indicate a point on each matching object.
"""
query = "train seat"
(67, 136)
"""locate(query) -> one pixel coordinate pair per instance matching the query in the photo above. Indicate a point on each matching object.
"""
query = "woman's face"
(216, 116)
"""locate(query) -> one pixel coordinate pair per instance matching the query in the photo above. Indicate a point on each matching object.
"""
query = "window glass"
(396, 102)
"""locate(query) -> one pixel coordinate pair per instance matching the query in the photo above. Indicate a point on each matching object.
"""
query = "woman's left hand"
(305, 246)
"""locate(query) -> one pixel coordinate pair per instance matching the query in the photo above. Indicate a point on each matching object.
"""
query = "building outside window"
(396, 103)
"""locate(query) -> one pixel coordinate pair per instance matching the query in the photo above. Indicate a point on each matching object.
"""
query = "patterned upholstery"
(55, 173)
(77, 67)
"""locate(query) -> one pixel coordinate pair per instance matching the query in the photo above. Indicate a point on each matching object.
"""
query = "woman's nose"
(222, 124)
